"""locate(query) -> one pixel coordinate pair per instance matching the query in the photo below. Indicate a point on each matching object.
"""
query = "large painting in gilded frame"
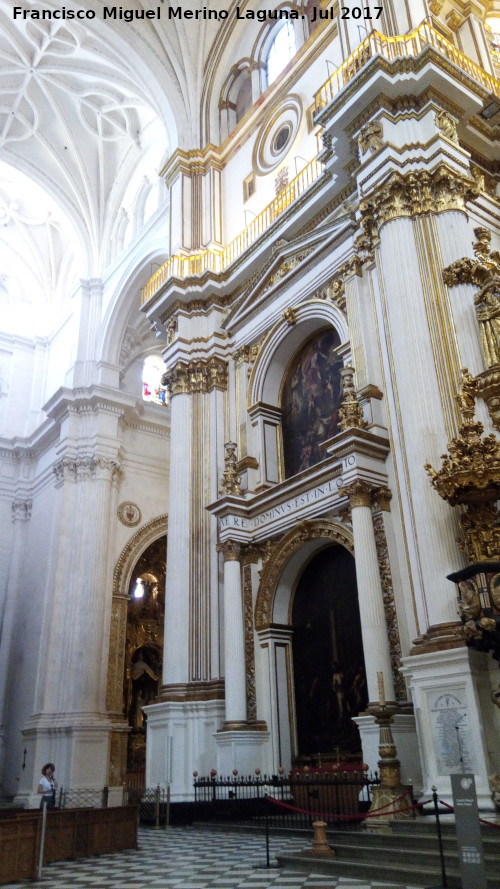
(312, 394)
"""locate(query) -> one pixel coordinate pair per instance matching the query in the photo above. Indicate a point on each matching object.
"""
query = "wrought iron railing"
(400, 46)
(292, 801)
(216, 261)
(82, 798)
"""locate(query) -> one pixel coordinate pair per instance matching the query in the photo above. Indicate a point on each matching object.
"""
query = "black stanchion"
(443, 884)
(268, 864)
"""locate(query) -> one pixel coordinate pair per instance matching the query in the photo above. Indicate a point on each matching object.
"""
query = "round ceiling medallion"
(277, 136)
(129, 513)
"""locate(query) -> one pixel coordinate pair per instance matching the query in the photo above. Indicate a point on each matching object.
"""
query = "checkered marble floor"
(187, 858)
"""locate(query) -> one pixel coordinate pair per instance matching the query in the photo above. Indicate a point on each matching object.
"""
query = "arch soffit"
(293, 551)
(121, 305)
(138, 543)
(243, 66)
(283, 340)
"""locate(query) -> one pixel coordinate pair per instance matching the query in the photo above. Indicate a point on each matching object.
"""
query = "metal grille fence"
(286, 801)
(81, 798)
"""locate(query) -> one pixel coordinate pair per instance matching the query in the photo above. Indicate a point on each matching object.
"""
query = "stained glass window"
(152, 389)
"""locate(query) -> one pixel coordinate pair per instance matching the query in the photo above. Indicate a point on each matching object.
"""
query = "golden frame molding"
(279, 556)
(124, 567)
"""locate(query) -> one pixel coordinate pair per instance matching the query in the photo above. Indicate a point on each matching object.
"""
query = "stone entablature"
(316, 492)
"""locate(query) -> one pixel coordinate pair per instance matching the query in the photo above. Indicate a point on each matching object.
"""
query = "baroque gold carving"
(231, 550)
(484, 271)
(334, 292)
(470, 477)
(447, 124)
(290, 316)
(281, 553)
(413, 194)
(389, 601)
(371, 137)
(249, 644)
(197, 376)
(171, 328)
(359, 493)
(350, 411)
(230, 481)
(246, 354)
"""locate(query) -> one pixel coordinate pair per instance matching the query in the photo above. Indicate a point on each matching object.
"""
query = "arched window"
(282, 50)
(152, 372)
(310, 402)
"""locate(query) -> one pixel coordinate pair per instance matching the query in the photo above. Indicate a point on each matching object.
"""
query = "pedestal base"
(244, 750)
(79, 750)
(455, 719)
(180, 740)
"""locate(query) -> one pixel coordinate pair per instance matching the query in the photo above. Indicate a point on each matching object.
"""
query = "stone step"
(410, 855)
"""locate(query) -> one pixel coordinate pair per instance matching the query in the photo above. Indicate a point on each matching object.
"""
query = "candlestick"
(381, 689)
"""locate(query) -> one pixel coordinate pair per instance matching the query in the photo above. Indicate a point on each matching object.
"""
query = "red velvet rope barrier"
(482, 820)
(380, 813)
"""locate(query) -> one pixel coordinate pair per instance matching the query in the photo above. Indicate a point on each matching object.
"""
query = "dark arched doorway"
(329, 670)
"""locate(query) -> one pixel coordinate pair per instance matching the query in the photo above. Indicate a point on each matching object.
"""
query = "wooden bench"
(70, 833)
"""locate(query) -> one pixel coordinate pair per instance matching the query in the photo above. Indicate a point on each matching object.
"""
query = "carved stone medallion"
(129, 514)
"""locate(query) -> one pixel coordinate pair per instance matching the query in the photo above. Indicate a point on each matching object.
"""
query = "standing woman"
(47, 786)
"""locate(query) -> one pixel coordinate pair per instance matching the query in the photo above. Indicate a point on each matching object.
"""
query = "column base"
(455, 719)
(179, 741)
(79, 749)
(245, 751)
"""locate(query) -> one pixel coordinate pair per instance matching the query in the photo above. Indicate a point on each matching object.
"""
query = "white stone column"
(371, 602)
(177, 584)
(21, 512)
(234, 641)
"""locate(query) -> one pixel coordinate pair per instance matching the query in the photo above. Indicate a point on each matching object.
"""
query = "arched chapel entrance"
(328, 662)
(307, 618)
(135, 647)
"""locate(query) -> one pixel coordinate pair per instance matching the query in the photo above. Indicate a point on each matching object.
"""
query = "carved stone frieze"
(21, 510)
(280, 554)
(86, 467)
(196, 376)
(389, 603)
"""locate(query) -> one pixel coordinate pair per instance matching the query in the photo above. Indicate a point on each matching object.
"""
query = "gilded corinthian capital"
(200, 375)
(359, 492)
(231, 550)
